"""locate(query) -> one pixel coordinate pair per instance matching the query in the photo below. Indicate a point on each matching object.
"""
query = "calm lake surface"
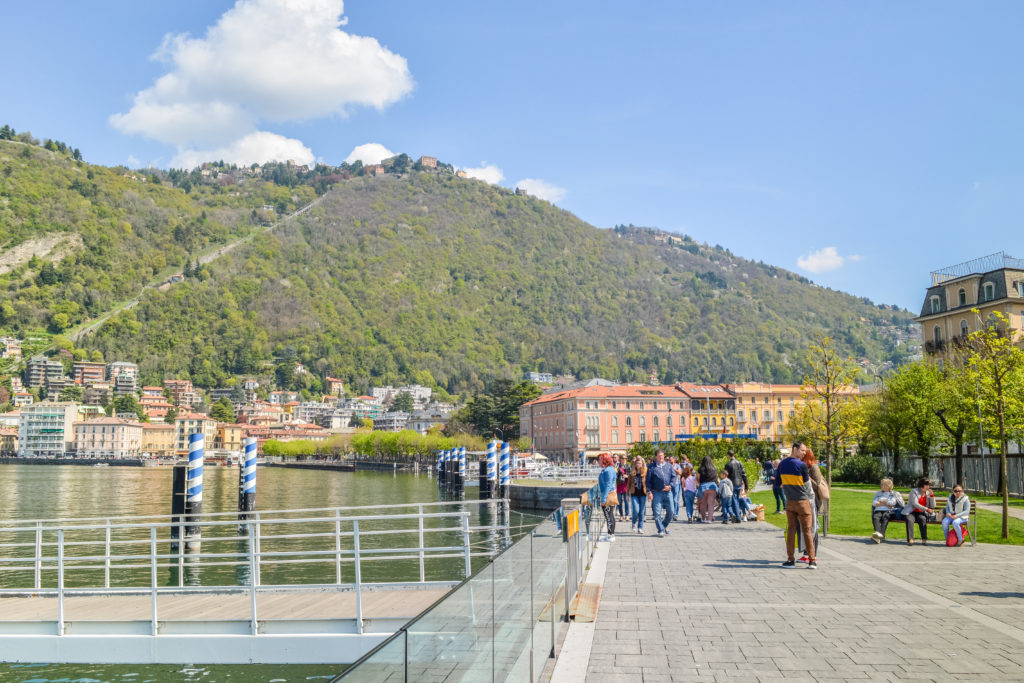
(31, 492)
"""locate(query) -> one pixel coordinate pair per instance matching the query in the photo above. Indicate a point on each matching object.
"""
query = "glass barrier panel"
(513, 624)
(386, 665)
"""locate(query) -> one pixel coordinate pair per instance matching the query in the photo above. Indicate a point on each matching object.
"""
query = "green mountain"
(420, 276)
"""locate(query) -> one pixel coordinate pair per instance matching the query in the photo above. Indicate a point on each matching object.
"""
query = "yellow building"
(229, 436)
(764, 410)
(157, 439)
(712, 409)
(989, 284)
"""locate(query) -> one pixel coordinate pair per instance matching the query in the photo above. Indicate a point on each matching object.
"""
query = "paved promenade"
(710, 602)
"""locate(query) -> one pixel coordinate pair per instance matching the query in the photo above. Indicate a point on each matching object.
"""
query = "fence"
(352, 548)
(559, 472)
(980, 475)
(500, 623)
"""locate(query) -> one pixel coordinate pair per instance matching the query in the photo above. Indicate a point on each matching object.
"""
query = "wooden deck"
(292, 605)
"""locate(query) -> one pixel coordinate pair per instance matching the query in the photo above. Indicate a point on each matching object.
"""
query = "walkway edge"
(574, 655)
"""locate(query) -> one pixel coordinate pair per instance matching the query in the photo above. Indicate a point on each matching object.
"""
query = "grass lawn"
(851, 516)
(939, 493)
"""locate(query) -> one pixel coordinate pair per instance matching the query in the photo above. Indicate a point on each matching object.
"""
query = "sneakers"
(876, 537)
(736, 520)
(803, 558)
(632, 527)
(611, 538)
(661, 534)
(640, 531)
(813, 564)
(789, 564)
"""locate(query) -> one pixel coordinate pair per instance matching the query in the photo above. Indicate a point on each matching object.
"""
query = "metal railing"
(559, 473)
(499, 624)
(328, 548)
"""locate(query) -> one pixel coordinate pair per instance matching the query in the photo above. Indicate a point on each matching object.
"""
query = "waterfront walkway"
(710, 602)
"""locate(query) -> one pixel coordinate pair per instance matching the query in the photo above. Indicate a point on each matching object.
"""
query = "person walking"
(637, 487)
(689, 490)
(660, 476)
(707, 489)
(738, 476)
(920, 508)
(606, 489)
(958, 511)
(780, 497)
(725, 493)
(796, 485)
(621, 490)
(677, 487)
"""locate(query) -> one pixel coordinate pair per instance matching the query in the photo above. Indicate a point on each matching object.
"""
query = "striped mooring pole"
(492, 463)
(505, 472)
(440, 468)
(462, 469)
(194, 486)
(247, 485)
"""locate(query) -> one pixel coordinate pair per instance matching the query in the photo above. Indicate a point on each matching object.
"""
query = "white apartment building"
(191, 423)
(108, 437)
(47, 429)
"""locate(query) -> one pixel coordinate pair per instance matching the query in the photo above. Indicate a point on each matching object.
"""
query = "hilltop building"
(46, 429)
(85, 373)
(39, 370)
(10, 347)
(989, 284)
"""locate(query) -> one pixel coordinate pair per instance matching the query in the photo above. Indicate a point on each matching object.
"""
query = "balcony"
(938, 346)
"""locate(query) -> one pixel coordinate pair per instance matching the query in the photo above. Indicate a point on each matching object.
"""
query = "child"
(725, 492)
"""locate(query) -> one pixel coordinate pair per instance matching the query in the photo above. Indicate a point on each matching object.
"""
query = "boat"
(101, 464)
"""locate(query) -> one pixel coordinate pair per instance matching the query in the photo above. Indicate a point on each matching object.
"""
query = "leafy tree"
(237, 395)
(953, 407)
(828, 383)
(403, 402)
(129, 404)
(915, 389)
(72, 393)
(996, 364)
(223, 411)
(171, 416)
(96, 356)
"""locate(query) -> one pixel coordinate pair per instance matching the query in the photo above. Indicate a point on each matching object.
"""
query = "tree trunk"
(1003, 488)
(958, 452)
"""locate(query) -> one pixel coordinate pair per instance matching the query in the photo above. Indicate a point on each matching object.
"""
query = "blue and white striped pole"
(492, 461)
(440, 465)
(505, 472)
(462, 469)
(194, 484)
(449, 469)
(247, 484)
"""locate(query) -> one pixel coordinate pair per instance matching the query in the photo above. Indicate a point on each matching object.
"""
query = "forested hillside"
(432, 278)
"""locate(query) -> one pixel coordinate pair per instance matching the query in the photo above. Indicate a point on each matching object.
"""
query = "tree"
(829, 382)
(915, 389)
(223, 411)
(72, 393)
(171, 416)
(953, 407)
(996, 364)
(128, 404)
(403, 402)
(96, 356)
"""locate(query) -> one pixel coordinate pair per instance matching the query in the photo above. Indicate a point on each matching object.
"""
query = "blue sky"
(860, 144)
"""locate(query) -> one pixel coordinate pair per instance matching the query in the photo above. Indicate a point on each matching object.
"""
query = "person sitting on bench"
(958, 511)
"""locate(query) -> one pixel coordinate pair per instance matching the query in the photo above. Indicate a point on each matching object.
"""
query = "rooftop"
(985, 264)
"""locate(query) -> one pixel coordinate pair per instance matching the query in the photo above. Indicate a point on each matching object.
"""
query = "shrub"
(859, 469)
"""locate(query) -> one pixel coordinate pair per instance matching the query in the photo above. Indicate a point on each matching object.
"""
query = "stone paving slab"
(710, 602)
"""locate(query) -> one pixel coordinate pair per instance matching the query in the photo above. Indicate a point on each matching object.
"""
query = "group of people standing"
(671, 485)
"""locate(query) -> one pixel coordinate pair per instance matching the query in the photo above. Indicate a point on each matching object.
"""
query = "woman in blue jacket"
(606, 486)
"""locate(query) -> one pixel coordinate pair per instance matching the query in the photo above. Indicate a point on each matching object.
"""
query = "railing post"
(337, 547)
(465, 542)
(39, 556)
(359, 578)
(257, 576)
(60, 582)
(422, 568)
(152, 569)
(181, 551)
(106, 557)
(253, 624)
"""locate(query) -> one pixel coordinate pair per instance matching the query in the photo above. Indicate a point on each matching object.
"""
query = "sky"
(861, 144)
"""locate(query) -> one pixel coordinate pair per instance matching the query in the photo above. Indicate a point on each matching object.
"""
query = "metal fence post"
(253, 624)
(359, 578)
(106, 557)
(181, 551)
(39, 556)
(257, 551)
(337, 547)
(60, 582)
(152, 570)
(422, 569)
(465, 541)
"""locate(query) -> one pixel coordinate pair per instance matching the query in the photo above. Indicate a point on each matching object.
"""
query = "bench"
(971, 527)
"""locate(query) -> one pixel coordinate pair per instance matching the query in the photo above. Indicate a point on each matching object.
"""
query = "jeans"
(662, 500)
(677, 492)
(799, 518)
(688, 497)
(727, 507)
(780, 500)
(922, 524)
(955, 522)
(639, 511)
(624, 510)
(740, 504)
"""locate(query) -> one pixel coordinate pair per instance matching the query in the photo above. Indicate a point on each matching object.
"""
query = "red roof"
(705, 390)
(637, 391)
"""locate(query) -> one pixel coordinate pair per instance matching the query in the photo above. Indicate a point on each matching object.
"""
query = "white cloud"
(132, 162)
(370, 153)
(487, 172)
(824, 260)
(542, 189)
(262, 61)
(855, 258)
(257, 148)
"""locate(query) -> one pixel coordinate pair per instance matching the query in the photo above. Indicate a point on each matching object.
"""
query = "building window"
(705, 422)
(615, 404)
(629, 421)
(654, 421)
(668, 420)
(629, 436)
(961, 297)
(1018, 287)
(934, 301)
(643, 436)
(643, 421)
(753, 415)
(731, 422)
(990, 291)
(615, 420)
(963, 329)
(741, 414)
(937, 334)
(714, 422)
(627, 405)
(696, 421)
(615, 436)
(779, 414)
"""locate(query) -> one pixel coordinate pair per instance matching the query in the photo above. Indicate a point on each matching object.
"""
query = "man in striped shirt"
(796, 484)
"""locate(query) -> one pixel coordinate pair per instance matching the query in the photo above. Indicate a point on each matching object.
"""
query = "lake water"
(47, 492)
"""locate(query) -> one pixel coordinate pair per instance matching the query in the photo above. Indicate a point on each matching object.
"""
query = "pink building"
(108, 437)
(595, 419)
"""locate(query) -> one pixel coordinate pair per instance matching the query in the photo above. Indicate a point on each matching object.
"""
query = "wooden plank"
(585, 604)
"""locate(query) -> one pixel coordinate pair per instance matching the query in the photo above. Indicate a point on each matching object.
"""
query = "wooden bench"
(971, 527)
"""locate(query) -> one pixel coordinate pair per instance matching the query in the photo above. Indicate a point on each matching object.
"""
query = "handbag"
(612, 499)
(585, 498)
(951, 539)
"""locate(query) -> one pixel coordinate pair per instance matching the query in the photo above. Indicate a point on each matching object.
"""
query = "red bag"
(951, 539)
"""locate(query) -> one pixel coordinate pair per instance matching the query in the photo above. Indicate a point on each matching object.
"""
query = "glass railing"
(500, 624)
